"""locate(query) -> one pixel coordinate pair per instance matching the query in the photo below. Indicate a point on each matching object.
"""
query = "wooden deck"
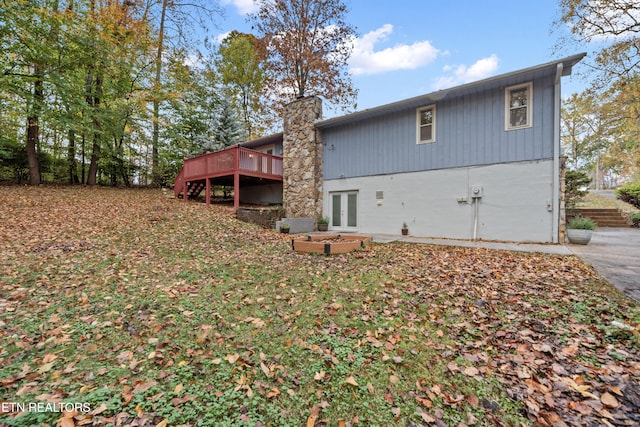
(229, 166)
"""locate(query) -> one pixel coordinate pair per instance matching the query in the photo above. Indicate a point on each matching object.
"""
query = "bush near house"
(582, 223)
(630, 193)
(576, 184)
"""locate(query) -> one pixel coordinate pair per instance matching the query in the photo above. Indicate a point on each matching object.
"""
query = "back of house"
(478, 161)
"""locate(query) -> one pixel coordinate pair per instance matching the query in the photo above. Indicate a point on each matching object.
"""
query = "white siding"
(515, 205)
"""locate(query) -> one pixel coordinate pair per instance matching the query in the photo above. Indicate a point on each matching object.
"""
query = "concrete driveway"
(615, 254)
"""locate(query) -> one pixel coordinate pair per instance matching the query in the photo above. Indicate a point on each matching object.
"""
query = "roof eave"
(269, 139)
(567, 64)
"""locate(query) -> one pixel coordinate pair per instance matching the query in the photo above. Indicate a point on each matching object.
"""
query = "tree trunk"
(155, 161)
(124, 173)
(83, 159)
(71, 158)
(95, 95)
(92, 173)
(32, 151)
(33, 128)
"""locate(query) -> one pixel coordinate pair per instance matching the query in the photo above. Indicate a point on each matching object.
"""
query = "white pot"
(579, 237)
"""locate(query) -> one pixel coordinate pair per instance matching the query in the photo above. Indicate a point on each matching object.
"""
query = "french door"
(344, 210)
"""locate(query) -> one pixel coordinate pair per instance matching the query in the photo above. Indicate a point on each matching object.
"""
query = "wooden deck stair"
(194, 189)
(604, 217)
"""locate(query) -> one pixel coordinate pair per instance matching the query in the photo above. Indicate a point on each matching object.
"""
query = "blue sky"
(407, 48)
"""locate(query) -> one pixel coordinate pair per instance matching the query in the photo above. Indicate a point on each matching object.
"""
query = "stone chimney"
(302, 159)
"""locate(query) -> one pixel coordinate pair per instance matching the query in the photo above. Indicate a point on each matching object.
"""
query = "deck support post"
(185, 187)
(236, 191)
(207, 190)
(236, 180)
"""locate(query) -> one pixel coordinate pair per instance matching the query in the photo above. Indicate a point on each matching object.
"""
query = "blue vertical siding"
(469, 131)
(277, 149)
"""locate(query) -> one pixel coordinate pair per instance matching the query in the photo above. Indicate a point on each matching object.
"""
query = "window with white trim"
(426, 124)
(518, 106)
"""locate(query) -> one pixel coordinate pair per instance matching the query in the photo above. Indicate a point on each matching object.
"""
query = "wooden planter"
(329, 244)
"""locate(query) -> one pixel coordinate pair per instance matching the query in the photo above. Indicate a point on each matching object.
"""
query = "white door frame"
(344, 216)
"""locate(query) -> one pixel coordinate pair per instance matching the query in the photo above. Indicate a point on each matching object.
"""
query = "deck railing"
(227, 162)
(224, 162)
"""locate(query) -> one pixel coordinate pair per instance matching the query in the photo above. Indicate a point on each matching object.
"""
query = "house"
(477, 161)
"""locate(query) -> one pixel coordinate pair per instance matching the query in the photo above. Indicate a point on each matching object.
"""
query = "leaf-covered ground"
(141, 310)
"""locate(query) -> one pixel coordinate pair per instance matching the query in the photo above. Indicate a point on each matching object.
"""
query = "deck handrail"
(178, 183)
(224, 162)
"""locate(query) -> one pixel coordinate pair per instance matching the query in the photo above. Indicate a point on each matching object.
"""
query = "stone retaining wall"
(264, 217)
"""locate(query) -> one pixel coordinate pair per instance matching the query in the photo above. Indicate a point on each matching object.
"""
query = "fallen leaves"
(313, 416)
(232, 358)
(609, 400)
(351, 380)
(470, 371)
(196, 310)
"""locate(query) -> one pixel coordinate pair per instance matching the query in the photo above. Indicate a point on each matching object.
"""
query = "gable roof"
(430, 98)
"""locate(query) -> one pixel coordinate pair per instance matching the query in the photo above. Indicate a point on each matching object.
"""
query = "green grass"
(153, 310)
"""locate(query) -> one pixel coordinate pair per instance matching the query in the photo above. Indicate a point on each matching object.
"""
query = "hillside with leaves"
(156, 312)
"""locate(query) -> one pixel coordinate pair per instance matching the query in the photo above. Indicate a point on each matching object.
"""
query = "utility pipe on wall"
(475, 218)
(476, 195)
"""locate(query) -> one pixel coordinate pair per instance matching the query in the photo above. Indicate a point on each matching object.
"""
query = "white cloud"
(244, 7)
(220, 37)
(366, 60)
(462, 74)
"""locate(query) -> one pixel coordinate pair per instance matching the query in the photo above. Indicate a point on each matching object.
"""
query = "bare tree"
(174, 18)
(308, 44)
(613, 26)
(611, 29)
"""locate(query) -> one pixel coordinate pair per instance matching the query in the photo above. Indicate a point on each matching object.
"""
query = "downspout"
(556, 157)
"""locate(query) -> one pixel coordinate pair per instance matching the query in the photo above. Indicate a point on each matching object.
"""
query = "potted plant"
(284, 228)
(323, 223)
(579, 230)
(405, 229)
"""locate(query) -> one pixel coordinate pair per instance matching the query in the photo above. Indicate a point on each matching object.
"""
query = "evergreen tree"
(228, 130)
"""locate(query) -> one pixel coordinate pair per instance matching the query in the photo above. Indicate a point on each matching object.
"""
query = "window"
(426, 129)
(518, 102)
(268, 149)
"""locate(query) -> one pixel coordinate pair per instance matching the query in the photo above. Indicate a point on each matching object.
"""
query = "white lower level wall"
(516, 202)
